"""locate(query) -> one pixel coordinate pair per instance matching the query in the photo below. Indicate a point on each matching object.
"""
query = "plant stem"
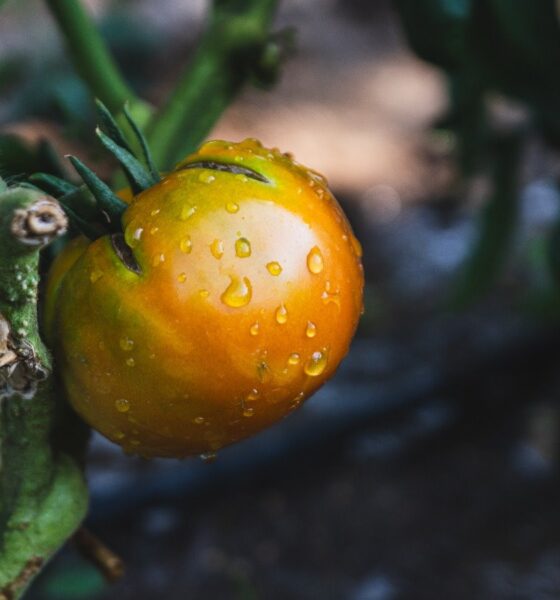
(230, 47)
(497, 226)
(43, 497)
(91, 57)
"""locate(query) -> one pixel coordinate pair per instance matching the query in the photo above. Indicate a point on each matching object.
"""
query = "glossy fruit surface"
(237, 300)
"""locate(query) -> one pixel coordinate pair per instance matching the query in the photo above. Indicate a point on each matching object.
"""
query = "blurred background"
(428, 467)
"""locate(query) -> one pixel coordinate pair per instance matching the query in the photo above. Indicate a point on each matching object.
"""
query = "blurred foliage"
(491, 46)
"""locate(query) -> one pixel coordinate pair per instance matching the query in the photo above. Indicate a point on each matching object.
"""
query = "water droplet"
(187, 212)
(315, 260)
(297, 401)
(130, 362)
(154, 230)
(356, 246)
(158, 259)
(217, 249)
(316, 364)
(254, 329)
(252, 395)
(132, 235)
(182, 277)
(186, 245)
(294, 359)
(232, 207)
(241, 177)
(206, 177)
(274, 268)
(311, 330)
(122, 405)
(155, 212)
(238, 293)
(95, 275)
(135, 442)
(281, 314)
(119, 435)
(263, 372)
(198, 420)
(203, 293)
(243, 247)
(126, 344)
(330, 295)
(248, 412)
(208, 457)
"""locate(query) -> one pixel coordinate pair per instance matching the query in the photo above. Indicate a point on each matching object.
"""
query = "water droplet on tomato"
(243, 247)
(187, 212)
(132, 235)
(274, 268)
(263, 372)
(186, 245)
(232, 207)
(206, 177)
(252, 395)
(316, 364)
(95, 275)
(182, 277)
(130, 362)
(357, 247)
(122, 405)
(126, 344)
(281, 314)
(158, 259)
(198, 420)
(248, 412)
(311, 330)
(315, 261)
(208, 457)
(217, 249)
(294, 358)
(254, 329)
(238, 293)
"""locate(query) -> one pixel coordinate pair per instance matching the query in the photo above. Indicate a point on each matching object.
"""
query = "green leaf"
(109, 203)
(52, 184)
(137, 175)
(108, 125)
(148, 159)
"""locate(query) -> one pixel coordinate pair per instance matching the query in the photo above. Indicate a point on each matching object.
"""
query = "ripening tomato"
(232, 295)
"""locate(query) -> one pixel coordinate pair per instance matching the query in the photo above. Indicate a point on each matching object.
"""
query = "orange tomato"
(232, 296)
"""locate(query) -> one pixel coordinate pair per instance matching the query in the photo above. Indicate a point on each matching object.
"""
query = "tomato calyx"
(93, 208)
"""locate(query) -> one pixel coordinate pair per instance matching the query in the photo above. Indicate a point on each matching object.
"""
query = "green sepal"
(138, 177)
(90, 229)
(52, 184)
(109, 125)
(108, 203)
(148, 159)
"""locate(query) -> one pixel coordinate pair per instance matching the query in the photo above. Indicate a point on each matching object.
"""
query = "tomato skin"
(247, 300)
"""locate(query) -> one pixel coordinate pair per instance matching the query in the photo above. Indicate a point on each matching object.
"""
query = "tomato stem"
(92, 59)
(228, 53)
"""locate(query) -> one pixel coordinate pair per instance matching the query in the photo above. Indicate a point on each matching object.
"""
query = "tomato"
(232, 296)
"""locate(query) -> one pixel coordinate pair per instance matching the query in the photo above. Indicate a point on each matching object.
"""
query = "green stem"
(497, 227)
(91, 57)
(43, 497)
(231, 46)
